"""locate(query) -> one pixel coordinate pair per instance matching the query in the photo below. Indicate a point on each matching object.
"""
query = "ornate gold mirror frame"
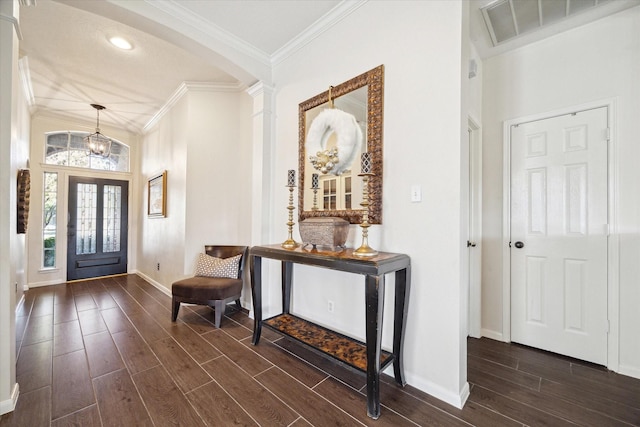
(373, 82)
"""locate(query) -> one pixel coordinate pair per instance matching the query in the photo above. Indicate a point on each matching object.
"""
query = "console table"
(366, 357)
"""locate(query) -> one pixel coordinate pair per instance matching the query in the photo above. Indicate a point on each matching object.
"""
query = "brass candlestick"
(365, 250)
(290, 243)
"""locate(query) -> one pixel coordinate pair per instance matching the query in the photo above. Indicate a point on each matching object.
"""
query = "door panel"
(559, 234)
(97, 229)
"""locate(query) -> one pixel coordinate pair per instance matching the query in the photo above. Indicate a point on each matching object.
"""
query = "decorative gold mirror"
(340, 195)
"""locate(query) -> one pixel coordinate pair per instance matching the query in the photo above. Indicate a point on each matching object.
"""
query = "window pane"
(329, 193)
(86, 219)
(59, 140)
(69, 149)
(121, 161)
(78, 158)
(111, 218)
(99, 162)
(76, 141)
(347, 192)
(49, 215)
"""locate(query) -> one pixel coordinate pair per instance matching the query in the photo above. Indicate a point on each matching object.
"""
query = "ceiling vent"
(507, 19)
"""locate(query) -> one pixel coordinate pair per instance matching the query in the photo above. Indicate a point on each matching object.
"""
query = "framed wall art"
(157, 195)
(24, 189)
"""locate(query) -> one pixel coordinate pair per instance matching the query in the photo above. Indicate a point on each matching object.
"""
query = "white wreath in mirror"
(349, 137)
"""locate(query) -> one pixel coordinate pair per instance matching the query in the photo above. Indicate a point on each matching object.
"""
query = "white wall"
(162, 240)
(595, 62)
(420, 45)
(40, 125)
(204, 144)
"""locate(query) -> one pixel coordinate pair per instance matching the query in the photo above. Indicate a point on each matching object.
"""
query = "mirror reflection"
(335, 128)
(341, 190)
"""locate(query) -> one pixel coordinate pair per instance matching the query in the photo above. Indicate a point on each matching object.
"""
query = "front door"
(97, 230)
(559, 234)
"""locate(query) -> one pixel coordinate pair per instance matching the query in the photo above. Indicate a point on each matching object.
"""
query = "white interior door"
(559, 234)
(474, 241)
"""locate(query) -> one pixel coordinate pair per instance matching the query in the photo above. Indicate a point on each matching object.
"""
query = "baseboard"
(453, 399)
(19, 304)
(9, 405)
(41, 284)
(155, 284)
(492, 334)
(630, 371)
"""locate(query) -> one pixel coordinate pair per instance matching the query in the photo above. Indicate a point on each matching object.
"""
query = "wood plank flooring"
(104, 352)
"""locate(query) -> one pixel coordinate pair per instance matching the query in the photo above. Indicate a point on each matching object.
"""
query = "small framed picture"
(157, 195)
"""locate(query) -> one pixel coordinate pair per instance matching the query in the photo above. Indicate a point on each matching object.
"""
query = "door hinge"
(608, 326)
(608, 134)
(607, 230)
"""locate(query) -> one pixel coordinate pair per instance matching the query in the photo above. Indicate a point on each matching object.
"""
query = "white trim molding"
(15, 22)
(174, 9)
(331, 18)
(439, 392)
(154, 283)
(9, 405)
(185, 87)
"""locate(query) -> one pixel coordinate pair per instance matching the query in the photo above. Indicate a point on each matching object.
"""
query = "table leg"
(374, 296)
(256, 294)
(287, 276)
(403, 282)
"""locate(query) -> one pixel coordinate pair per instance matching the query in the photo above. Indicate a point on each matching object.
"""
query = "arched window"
(69, 149)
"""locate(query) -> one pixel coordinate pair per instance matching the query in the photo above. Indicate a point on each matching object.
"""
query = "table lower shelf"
(326, 341)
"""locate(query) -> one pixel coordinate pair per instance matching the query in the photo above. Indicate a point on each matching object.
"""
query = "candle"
(314, 181)
(366, 162)
(291, 178)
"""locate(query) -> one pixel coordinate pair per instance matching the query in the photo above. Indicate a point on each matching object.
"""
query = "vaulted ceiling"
(68, 62)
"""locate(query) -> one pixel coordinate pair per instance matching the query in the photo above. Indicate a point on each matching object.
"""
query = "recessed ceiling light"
(120, 43)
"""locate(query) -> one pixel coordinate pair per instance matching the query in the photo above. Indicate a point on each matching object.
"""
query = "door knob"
(519, 245)
(471, 244)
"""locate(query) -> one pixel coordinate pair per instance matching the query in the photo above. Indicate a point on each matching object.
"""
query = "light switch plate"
(416, 193)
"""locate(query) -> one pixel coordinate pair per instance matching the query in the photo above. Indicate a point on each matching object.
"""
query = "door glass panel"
(49, 216)
(111, 218)
(86, 219)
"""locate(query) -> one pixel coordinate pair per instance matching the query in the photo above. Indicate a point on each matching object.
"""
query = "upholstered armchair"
(217, 280)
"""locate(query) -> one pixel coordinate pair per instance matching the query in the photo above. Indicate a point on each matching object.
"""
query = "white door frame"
(613, 291)
(475, 228)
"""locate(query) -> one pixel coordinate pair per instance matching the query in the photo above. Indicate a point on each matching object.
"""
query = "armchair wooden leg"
(220, 306)
(176, 308)
(238, 305)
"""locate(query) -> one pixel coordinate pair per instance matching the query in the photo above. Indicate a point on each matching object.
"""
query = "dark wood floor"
(105, 352)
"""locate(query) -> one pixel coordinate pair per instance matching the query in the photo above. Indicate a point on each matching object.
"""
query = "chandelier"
(97, 143)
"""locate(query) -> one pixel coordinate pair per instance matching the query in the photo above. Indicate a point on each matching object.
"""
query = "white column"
(8, 172)
(261, 188)
(262, 163)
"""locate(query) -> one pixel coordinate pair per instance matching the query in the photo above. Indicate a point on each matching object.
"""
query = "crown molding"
(14, 21)
(177, 11)
(185, 87)
(328, 20)
(258, 89)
